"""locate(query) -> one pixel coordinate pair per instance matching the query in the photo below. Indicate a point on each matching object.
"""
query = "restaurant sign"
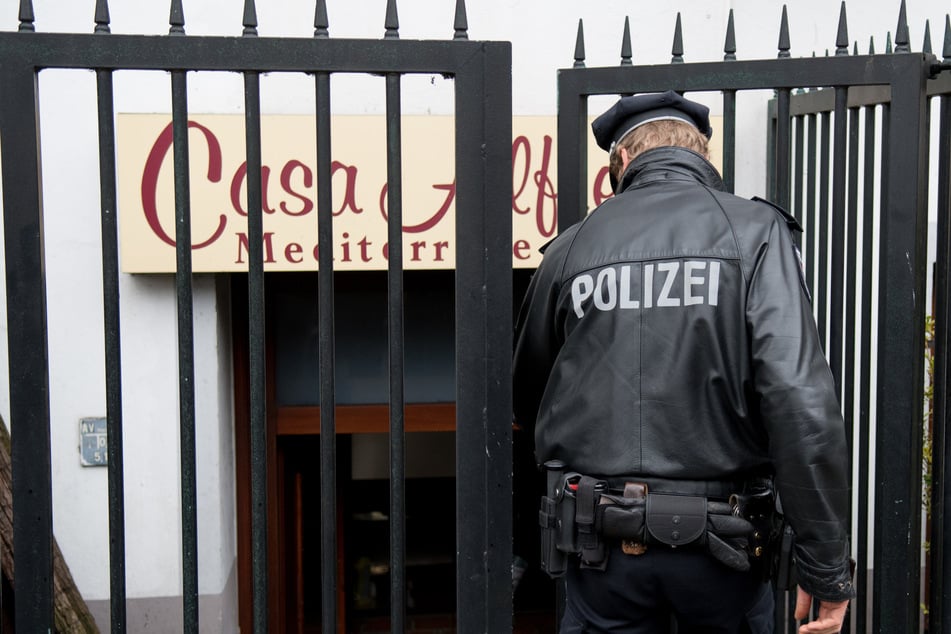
(218, 179)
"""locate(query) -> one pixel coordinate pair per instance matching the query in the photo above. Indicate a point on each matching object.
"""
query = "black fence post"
(28, 347)
(897, 518)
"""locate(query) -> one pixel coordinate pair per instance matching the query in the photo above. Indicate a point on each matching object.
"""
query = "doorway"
(362, 420)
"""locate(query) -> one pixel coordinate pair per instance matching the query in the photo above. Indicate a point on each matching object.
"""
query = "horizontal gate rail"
(262, 54)
(482, 75)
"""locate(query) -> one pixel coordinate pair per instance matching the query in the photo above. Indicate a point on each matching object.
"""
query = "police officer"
(668, 338)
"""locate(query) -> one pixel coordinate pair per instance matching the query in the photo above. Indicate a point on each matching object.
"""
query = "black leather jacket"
(670, 334)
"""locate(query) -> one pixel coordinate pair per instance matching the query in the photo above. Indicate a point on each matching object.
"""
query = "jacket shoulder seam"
(736, 240)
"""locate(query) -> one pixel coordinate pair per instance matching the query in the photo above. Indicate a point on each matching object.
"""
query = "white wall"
(543, 37)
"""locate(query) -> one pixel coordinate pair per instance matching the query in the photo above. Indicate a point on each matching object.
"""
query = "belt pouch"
(592, 549)
(623, 521)
(676, 520)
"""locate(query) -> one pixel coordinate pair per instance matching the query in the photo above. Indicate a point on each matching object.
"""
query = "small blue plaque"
(92, 442)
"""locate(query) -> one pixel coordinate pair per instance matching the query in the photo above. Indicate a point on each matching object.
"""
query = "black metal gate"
(482, 75)
(865, 253)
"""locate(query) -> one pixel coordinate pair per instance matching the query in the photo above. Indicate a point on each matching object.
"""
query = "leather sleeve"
(536, 340)
(800, 409)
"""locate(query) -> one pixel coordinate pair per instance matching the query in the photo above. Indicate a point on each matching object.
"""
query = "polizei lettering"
(647, 285)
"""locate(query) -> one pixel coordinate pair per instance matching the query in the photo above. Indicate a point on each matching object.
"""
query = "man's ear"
(625, 158)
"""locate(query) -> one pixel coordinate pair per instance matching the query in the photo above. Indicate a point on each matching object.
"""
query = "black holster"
(568, 520)
(769, 547)
(556, 517)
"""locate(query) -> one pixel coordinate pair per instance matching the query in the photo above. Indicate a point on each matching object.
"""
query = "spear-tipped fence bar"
(186, 351)
(579, 46)
(626, 54)
(110, 286)
(461, 22)
(327, 360)
(842, 36)
(176, 18)
(677, 50)
(256, 346)
(784, 35)
(394, 181)
(320, 19)
(102, 16)
(483, 291)
(729, 45)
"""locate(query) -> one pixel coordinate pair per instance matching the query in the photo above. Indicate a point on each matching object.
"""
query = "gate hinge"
(938, 67)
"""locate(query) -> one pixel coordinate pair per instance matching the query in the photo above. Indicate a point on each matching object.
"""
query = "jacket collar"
(670, 163)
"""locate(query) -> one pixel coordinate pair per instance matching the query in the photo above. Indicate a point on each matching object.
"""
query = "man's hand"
(831, 614)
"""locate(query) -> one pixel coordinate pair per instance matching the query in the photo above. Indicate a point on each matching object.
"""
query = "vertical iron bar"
(498, 338)
(394, 180)
(871, 590)
(859, 612)
(901, 359)
(811, 235)
(572, 158)
(797, 206)
(328, 430)
(729, 113)
(771, 151)
(729, 140)
(28, 349)
(940, 596)
(113, 356)
(484, 342)
(822, 293)
(851, 265)
(186, 352)
(836, 271)
(256, 353)
(782, 148)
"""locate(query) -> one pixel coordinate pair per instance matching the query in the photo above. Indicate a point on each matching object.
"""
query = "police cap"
(634, 111)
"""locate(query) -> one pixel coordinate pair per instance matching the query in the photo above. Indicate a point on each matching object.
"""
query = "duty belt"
(734, 522)
(711, 489)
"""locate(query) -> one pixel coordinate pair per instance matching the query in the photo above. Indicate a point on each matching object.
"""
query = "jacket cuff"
(827, 584)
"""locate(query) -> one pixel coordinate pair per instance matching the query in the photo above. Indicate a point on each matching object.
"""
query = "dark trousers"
(645, 594)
